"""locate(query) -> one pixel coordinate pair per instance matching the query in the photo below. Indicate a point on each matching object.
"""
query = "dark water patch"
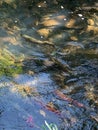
(3, 32)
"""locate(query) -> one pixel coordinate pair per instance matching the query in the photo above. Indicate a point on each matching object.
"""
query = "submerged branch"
(31, 39)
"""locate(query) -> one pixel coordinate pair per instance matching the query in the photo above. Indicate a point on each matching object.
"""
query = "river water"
(48, 68)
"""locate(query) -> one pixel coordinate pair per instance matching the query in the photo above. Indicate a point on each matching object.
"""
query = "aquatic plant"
(8, 65)
(50, 126)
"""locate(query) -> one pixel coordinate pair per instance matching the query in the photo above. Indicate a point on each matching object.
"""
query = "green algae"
(9, 69)
(8, 66)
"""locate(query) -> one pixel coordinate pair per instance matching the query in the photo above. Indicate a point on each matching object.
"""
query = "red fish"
(48, 107)
(52, 109)
(66, 98)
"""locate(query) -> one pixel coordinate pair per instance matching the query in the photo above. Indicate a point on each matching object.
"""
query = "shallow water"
(38, 83)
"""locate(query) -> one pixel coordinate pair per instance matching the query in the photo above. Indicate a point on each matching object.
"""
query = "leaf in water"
(42, 113)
